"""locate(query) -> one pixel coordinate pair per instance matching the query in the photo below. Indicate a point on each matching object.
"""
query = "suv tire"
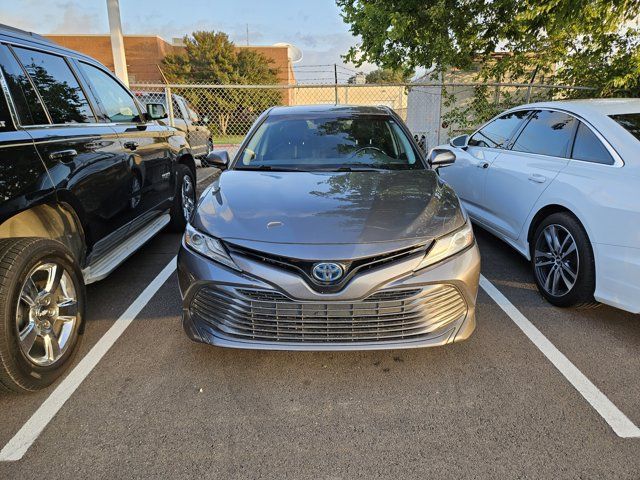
(42, 309)
(184, 200)
(562, 262)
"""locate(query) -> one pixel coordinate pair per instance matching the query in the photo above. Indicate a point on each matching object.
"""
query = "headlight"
(448, 245)
(208, 246)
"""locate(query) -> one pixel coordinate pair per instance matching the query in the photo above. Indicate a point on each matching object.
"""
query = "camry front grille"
(351, 267)
(270, 316)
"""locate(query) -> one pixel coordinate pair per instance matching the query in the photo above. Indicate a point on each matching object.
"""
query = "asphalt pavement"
(160, 406)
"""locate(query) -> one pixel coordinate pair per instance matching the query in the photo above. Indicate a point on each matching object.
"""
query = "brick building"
(145, 52)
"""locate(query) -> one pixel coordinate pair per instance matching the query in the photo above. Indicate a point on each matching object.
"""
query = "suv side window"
(118, 104)
(177, 111)
(25, 98)
(589, 148)
(497, 133)
(60, 91)
(547, 133)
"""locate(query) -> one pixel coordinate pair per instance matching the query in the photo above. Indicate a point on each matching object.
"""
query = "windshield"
(326, 143)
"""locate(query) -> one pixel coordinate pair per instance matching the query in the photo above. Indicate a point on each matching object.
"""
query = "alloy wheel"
(46, 314)
(188, 197)
(556, 260)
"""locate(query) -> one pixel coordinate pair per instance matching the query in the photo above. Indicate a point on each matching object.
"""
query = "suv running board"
(108, 262)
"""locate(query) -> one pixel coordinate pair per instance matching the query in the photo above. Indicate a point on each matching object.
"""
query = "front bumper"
(385, 308)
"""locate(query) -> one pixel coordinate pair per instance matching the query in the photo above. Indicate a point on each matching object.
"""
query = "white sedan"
(560, 182)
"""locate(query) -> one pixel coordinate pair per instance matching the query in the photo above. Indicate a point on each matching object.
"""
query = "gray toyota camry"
(329, 231)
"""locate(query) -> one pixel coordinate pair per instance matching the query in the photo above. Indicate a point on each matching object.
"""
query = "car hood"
(379, 210)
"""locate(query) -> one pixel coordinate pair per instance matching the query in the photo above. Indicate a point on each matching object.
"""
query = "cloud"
(157, 25)
(69, 17)
(306, 40)
(325, 50)
(320, 46)
(75, 20)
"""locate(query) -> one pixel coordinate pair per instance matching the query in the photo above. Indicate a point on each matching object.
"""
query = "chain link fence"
(434, 112)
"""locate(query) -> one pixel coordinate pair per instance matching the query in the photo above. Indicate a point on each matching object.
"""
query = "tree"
(386, 75)
(211, 58)
(581, 41)
(63, 101)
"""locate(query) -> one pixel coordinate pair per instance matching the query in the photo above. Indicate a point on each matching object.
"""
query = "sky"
(315, 26)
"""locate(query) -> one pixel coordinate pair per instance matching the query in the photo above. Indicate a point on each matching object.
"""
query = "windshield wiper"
(269, 168)
(359, 169)
(349, 168)
(343, 168)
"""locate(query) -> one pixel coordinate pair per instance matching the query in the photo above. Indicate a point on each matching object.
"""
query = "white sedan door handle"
(482, 165)
(534, 177)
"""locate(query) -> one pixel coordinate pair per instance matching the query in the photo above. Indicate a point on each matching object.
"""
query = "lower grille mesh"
(270, 316)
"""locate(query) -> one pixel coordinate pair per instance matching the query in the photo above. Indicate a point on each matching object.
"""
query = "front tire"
(42, 307)
(184, 200)
(562, 262)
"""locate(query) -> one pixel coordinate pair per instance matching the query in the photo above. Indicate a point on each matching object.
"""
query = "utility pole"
(117, 42)
(247, 34)
(335, 77)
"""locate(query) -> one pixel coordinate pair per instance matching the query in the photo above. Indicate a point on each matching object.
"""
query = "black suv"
(86, 177)
(186, 119)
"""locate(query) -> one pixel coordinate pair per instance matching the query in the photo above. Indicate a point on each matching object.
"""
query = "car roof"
(329, 109)
(28, 39)
(590, 106)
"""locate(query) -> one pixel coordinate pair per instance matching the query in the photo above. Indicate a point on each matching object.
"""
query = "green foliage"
(466, 108)
(386, 75)
(211, 58)
(577, 41)
(609, 63)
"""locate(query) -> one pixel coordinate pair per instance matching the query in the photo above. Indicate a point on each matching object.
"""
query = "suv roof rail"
(16, 32)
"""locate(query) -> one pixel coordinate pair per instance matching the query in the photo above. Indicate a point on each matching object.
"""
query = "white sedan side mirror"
(439, 157)
(461, 141)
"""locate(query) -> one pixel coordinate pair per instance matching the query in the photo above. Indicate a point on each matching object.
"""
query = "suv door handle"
(482, 165)
(130, 145)
(61, 155)
(534, 177)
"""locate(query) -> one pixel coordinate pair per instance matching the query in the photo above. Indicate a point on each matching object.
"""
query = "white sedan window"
(547, 133)
(588, 148)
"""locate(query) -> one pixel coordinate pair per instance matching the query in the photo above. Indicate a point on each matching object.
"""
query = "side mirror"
(156, 111)
(439, 157)
(218, 159)
(461, 141)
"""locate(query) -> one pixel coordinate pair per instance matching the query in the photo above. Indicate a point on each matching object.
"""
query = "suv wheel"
(184, 200)
(562, 262)
(42, 303)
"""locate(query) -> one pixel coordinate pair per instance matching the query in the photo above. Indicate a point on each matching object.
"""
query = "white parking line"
(21, 441)
(24, 438)
(618, 421)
